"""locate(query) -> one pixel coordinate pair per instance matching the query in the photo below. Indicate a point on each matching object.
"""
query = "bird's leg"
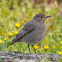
(34, 49)
(29, 48)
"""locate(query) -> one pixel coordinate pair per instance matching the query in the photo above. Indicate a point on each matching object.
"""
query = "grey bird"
(33, 31)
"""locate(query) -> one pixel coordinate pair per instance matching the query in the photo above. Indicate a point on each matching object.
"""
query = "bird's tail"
(11, 43)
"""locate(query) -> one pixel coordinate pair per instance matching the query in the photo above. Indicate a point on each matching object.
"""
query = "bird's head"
(41, 17)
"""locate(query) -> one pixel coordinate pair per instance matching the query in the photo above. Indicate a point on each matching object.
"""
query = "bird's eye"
(41, 17)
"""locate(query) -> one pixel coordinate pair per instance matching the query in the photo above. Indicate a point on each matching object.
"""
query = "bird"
(33, 31)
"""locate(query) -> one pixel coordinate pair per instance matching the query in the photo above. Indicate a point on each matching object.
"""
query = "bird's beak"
(48, 16)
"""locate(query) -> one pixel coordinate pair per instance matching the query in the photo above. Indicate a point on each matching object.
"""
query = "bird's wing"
(28, 27)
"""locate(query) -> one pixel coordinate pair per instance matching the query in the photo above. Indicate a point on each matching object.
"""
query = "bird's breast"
(35, 36)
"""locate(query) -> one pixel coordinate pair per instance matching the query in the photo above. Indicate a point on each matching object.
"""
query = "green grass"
(21, 14)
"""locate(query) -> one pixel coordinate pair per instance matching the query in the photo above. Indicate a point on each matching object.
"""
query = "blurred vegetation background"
(15, 13)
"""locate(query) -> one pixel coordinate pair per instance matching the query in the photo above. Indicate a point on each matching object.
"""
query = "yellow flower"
(17, 24)
(39, 50)
(56, 7)
(3, 33)
(0, 41)
(54, 47)
(59, 52)
(23, 22)
(5, 38)
(36, 47)
(16, 32)
(47, 20)
(61, 34)
(53, 34)
(46, 47)
(61, 42)
(10, 34)
(16, 45)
